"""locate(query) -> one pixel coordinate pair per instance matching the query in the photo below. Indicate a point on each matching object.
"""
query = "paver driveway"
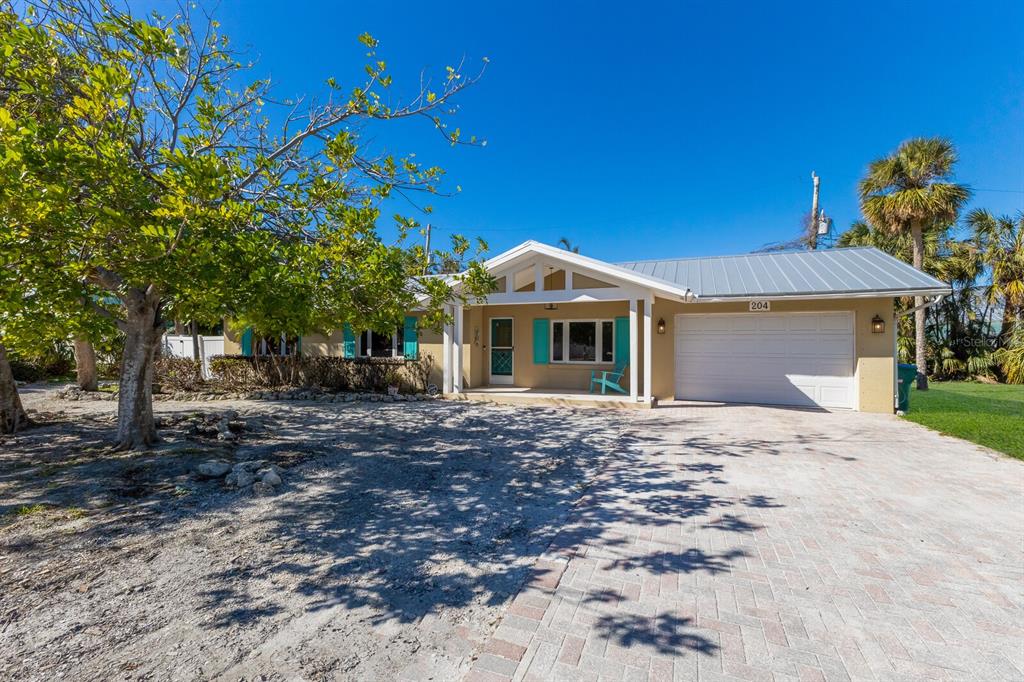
(761, 543)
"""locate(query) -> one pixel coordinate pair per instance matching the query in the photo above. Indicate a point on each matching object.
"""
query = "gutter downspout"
(926, 304)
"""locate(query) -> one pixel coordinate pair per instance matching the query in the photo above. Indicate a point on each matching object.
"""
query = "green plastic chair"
(608, 379)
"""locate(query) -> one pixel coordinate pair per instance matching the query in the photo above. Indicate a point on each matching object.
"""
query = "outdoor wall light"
(550, 306)
(877, 325)
(661, 325)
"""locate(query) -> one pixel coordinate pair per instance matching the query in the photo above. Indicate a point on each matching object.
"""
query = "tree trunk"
(195, 341)
(920, 345)
(135, 426)
(1009, 322)
(85, 365)
(12, 414)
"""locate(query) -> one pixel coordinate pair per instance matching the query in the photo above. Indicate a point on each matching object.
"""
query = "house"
(809, 328)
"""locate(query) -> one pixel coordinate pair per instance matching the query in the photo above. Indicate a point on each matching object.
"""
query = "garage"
(804, 359)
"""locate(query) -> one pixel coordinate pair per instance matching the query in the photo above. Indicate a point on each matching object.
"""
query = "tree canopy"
(150, 176)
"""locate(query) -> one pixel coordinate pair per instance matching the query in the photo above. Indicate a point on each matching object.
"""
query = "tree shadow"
(689, 561)
(403, 511)
(733, 524)
(666, 634)
(760, 502)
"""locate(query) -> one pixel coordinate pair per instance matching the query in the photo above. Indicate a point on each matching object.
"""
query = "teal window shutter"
(411, 341)
(541, 341)
(348, 348)
(621, 340)
(247, 342)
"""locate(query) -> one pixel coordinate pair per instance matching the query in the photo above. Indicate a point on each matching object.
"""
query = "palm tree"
(567, 245)
(908, 192)
(1000, 242)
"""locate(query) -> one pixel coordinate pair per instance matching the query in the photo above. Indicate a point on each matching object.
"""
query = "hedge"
(242, 373)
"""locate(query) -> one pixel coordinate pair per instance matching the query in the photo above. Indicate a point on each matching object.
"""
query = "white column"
(446, 355)
(538, 276)
(647, 349)
(634, 347)
(568, 280)
(457, 359)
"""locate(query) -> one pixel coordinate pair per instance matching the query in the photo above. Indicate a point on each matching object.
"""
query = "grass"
(988, 414)
(30, 510)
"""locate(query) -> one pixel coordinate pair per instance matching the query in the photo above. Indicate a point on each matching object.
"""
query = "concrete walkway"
(771, 544)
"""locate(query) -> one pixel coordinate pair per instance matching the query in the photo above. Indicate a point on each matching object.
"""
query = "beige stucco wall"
(524, 371)
(232, 341)
(323, 345)
(874, 371)
(332, 345)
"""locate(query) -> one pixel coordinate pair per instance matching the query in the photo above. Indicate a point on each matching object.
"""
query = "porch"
(518, 395)
(555, 320)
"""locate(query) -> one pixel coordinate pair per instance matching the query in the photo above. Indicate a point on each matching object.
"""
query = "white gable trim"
(531, 251)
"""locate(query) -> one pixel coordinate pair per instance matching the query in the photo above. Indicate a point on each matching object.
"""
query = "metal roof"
(828, 272)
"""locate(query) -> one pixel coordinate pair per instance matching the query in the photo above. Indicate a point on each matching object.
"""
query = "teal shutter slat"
(348, 348)
(541, 341)
(621, 340)
(247, 342)
(410, 339)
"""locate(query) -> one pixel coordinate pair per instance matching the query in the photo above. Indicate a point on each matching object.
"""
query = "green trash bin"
(906, 374)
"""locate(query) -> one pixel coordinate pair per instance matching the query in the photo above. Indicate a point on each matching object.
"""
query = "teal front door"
(502, 350)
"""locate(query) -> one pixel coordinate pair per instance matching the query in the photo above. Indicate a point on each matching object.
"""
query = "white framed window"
(376, 345)
(585, 341)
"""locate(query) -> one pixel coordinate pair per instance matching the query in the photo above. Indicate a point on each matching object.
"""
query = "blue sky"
(672, 129)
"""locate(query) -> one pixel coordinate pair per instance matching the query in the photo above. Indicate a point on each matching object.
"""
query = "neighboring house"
(809, 328)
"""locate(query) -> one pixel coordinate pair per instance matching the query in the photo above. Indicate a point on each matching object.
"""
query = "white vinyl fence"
(181, 347)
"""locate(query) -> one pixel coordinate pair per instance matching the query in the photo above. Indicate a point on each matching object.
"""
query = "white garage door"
(771, 358)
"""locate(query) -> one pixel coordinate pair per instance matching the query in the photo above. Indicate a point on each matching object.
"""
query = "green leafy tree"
(1000, 241)
(175, 192)
(906, 193)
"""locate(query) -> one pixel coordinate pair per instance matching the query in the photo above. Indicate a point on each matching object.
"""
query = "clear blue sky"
(672, 129)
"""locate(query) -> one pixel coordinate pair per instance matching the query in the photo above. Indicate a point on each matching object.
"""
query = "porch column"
(633, 350)
(446, 355)
(457, 359)
(647, 350)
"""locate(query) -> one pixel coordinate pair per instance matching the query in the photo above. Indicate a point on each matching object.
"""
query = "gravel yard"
(395, 537)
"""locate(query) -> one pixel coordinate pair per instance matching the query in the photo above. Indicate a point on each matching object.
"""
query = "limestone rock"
(260, 488)
(271, 478)
(213, 469)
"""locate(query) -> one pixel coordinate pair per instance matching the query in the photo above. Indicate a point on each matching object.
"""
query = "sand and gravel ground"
(399, 533)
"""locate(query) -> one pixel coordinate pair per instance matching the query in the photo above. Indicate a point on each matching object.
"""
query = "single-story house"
(808, 328)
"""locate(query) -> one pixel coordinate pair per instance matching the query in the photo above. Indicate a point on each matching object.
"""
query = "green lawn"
(990, 415)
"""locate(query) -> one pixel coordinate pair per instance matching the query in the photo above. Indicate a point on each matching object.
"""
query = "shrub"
(49, 362)
(241, 373)
(178, 374)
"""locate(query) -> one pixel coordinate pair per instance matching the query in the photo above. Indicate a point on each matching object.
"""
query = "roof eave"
(876, 293)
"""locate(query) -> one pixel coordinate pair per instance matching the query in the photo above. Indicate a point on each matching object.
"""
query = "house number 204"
(760, 306)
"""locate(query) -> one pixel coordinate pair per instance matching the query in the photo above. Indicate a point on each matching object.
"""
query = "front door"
(502, 349)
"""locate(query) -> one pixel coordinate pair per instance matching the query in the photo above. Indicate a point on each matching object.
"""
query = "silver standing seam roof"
(852, 271)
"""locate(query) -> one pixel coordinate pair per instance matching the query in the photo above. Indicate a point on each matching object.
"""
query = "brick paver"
(749, 543)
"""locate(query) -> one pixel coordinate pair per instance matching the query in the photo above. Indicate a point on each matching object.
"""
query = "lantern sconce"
(550, 306)
(877, 325)
(661, 325)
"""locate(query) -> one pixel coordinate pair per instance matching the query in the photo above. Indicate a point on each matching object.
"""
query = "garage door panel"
(770, 323)
(803, 323)
(774, 358)
(841, 322)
